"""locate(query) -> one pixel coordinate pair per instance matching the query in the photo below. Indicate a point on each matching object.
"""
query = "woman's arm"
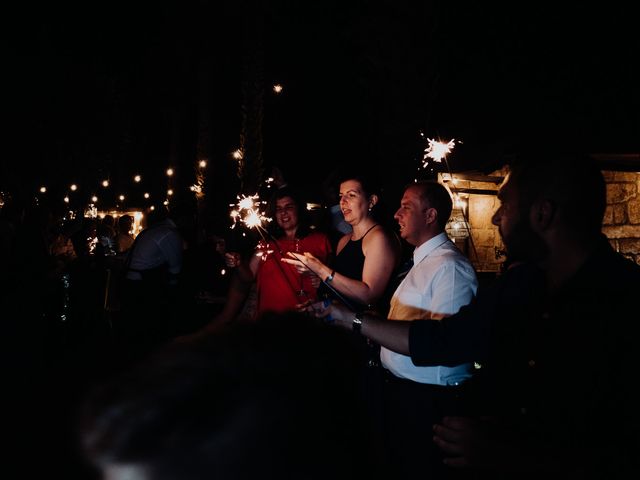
(380, 260)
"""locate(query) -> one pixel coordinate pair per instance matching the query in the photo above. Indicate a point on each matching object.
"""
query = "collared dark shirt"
(562, 368)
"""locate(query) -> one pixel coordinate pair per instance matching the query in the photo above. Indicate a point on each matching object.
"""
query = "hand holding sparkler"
(232, 259)
(333, 312)
(306, 263)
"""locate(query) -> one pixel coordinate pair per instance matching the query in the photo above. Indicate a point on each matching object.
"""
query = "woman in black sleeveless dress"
(366, 257)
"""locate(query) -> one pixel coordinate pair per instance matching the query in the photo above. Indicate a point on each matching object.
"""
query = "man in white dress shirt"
(440, 282)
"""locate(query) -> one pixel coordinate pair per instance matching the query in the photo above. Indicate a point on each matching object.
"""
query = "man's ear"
(430, 216)
(544, 213)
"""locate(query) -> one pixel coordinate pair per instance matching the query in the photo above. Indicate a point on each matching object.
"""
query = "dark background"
(111, 89)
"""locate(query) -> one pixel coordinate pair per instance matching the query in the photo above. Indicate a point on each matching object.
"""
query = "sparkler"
(247, 211)
(437, 150)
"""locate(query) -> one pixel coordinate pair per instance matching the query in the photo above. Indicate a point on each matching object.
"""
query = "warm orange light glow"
(137, 178)
(203, 163)
(146, 195)
(169, 172)
(121, 197)
(105, 183)
(277, 88)
(43, 189)
(73, 187)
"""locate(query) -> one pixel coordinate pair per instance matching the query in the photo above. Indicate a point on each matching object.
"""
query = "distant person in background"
(106, 236)
(149, 292)
(124, 238)
(337, 227)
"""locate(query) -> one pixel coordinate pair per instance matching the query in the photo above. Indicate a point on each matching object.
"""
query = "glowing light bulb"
(94, 199)
(169, 172)
(203, 163)
(277, 88)
(73, 187)
(105, 183)
(121, 197)
(146, 195)
(43, 189)
(137, 178)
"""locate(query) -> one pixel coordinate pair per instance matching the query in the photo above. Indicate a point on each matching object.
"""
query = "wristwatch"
(356, 324)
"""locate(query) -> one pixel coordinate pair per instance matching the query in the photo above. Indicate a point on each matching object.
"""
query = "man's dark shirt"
(561, 368)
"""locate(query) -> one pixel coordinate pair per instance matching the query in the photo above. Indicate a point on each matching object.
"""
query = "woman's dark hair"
(304, 228)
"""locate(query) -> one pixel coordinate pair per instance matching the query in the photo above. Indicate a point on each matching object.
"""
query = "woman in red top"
(280, 287)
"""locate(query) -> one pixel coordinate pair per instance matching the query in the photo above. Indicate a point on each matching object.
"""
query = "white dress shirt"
(159, 245)
(440, 282)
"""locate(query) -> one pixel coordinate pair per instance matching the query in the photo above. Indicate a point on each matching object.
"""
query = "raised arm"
(380, 260)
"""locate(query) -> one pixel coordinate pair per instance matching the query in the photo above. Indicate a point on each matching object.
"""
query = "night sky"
(110, 89)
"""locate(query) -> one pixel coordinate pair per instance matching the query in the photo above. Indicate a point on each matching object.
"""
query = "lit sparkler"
(247, 211)
(437, 150)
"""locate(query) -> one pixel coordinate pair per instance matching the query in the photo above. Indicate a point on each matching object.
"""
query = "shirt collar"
(429, 246)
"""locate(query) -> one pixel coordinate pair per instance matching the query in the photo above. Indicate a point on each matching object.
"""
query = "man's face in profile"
(513, 221)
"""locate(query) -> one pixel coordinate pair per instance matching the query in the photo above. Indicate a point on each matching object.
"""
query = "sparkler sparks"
(437, 150)
(247, 211)
(263, 251)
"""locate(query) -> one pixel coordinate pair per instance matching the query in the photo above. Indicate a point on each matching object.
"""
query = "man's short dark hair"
(435, 195)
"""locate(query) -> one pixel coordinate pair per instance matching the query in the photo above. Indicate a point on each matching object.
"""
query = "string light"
(169, 172)
(94, 199)
(43, 189)
(105, 183)
(121, 197)
(169, 192)
(202, 163)
(73, 187)
(146, 195)
(237, 154)
(277, 88)
(66, 199)
(137, 178)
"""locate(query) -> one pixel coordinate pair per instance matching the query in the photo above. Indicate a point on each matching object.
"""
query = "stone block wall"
(622, 217)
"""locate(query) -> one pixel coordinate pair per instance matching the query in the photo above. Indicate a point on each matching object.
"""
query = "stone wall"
(622, 216)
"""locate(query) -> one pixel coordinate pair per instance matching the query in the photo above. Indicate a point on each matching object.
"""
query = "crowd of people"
(332, 357)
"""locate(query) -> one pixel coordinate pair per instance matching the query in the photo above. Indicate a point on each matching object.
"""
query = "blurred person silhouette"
(553, 339)
(263, 400)
(124, 237)
(337, 227)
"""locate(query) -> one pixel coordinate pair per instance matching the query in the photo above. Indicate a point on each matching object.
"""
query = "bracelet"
(356, 325)
(330, 277)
